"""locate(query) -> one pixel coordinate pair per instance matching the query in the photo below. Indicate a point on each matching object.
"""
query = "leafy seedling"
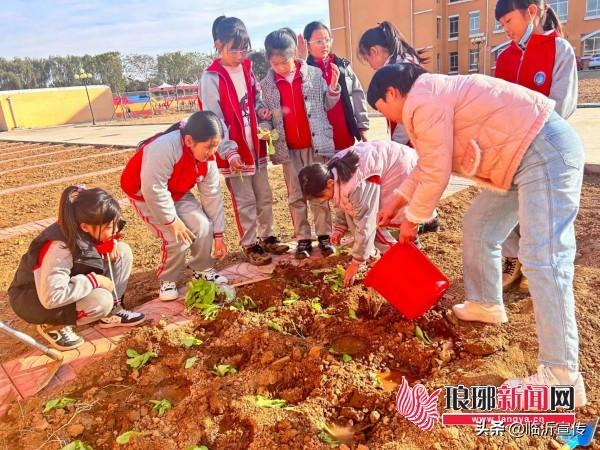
(352, 314)
(189, 363)
(315, 305)
(201, 294)
(58, 403)
(137, 360)
(265, 402)
(422, 336)
(346, 357)
(270, 136)
(291, 298)
(161, 406)
(375, 379)
(124, 438)
(336, 280)
(270, 309)
(77, 445)
(190, 341)
(223, 369)
(325, 316)
(195, 447)
(327, 436)
(274, 326)
(244, 303)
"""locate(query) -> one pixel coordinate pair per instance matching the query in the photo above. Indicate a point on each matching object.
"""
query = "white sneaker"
(548, 376)
(210, 275)
(476, 312)
(168, 291)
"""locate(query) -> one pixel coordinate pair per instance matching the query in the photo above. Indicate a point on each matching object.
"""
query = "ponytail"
(387, 36)
(313, 178)
(202, 126)
(552, 22)
(91, 206)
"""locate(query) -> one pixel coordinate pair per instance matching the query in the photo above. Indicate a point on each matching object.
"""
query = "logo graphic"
(539, 78)
(417, 405)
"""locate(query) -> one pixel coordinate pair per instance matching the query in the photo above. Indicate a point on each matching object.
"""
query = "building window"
(473, 60)
(561, 7)
(498, 27)
(592, 8)
(453, 1)
(453, 62)
(474, 27)
(496, 52)
(438, 27)
(591, 46)
(438, 67)
(453, 27)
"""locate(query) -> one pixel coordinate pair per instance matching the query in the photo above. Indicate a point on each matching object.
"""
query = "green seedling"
(346, 357)
(375, 379)
(332, 350)
(325, 316)
(352, 314)
(270, 136)
(244, 303)
(265, 402)
(195, 447)
(422, 336)
(291, 298)
(137, 360)
(189, 363)
(161, 406)
(190, 341)
(124, 438)
(274, 326)
(327, 436)
(201, 294)
(336, 280)
(315, 305)
(223, 369)
(270, 309)
(77, 445)
(58, 403)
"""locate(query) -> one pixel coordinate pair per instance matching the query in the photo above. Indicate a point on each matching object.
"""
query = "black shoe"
(122, 318)
(304, 249)
(325, 246)
(61, 338)
(273, 245)
(257, 256)
(432, 226)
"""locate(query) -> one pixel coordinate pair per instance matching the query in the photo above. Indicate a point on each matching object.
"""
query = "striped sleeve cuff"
(92, 278)
(340, 229)
(218, 235)
(171, 221)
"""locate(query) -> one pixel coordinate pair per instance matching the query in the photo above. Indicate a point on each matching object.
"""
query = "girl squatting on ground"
(509, 139)
(539, 59)
(298, 97)
(63, 279)
(360, 180)
(230, 90)
(158, 180)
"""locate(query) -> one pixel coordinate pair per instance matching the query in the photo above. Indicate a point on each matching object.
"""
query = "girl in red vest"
(229, 89)
(539, 59)
(349, 118)
(158, 180)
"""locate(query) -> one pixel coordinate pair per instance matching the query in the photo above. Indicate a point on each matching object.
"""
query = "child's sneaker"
(432, 226)
(273, 245)
(476, 312)
(524, 284)
(168, 291)
(511, 272)
(325, 245)
(60, 338)
(210, 275)
(553, 376)
(257, 256)
(304, 249)
(122, 318)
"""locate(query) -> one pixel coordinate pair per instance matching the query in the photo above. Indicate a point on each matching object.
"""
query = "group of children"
(312, 105)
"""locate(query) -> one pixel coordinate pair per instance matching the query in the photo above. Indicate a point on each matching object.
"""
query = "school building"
(460, 36)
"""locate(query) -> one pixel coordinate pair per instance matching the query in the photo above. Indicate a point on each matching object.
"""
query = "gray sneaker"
(60, 338)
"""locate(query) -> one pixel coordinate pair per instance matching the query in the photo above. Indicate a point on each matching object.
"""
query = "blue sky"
(36, 28)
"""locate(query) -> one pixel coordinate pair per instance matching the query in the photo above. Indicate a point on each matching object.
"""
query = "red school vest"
(531, 67)
(185, 174)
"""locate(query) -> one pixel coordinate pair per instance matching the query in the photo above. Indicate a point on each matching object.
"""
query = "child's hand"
(219, 249)
(264, 114)
(302, 50)
(104, 282)
(386, 214)
(351, 272)
(236, 164)
(181, 232)
(336, 237)
(408, 232)
(335, 76)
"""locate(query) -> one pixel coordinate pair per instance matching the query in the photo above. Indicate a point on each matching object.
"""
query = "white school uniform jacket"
(383, 166)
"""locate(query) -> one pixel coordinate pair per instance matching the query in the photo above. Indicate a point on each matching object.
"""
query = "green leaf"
(137, 360)
(201, 294)
(195, 447)
(189, 363)
(265, 402)
(269, 309)
(346, 357)
(325, 316)
(374, 378)
(422, 336)
(127, 436)
(274, 326)
(336, 279)
(243, 303)
(223, 369)
(77, 445)
(161, 406)
(332, 350)
(315, 305)
(132, 353)
(58, 403)
(291, 298)
(190, 341)
(327, 436)
(352, 314)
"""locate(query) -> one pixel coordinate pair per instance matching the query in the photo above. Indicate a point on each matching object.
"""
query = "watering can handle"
(54, 354)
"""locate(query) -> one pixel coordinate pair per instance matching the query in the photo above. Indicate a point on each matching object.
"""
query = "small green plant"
(346, 357)
(77, 445)
(58, 403)
(265, 402)
(124, 438)
(189, 363)
(352, 314)
(137, 360)
(161, 406)
(291, 297)
(315, 305)
(195, 447)
(422, 336)
(327, 436)
(325, 316)
(244, 303)
(274, 326)
(375, 379)
(201, 294)
(270, 309)
(223, 369)
(335, 280)
(190, 341)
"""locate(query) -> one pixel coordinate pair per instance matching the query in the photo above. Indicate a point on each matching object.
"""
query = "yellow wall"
(38, 108)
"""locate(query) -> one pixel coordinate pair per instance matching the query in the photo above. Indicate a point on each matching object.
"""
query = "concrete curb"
(591, 169)
(588, 105)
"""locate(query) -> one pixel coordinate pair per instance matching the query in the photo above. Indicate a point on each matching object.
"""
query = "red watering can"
(408, 280)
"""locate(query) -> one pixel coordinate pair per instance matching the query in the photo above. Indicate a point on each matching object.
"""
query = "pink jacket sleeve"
(431, 130)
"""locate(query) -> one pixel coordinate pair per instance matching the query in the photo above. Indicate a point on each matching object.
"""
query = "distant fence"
(146, 103)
